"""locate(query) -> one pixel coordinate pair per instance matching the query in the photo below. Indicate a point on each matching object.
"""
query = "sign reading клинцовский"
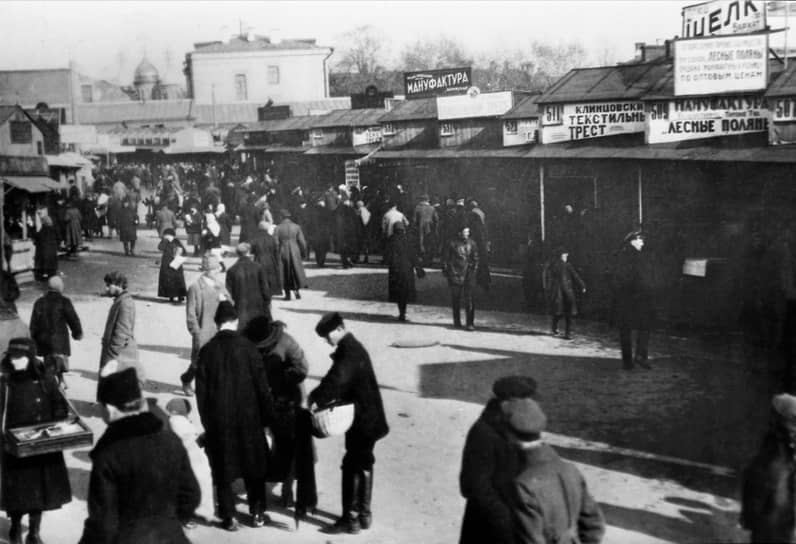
(723, 17)
(448, 81)
(567, 122)
(724, 64)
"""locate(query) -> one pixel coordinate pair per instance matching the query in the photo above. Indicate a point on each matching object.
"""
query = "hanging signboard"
(724, 17)
(707, 117)
(567, 122)
(723, 64)
(783, 114)
(428, 83)
(474, 104)
(783, 109)
(519, 131)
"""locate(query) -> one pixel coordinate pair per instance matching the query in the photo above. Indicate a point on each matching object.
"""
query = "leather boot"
(34, 525)
(349, 521)
(365, 494)
(15, 530)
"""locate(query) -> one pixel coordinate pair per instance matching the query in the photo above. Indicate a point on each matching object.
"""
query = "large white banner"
(474, 105)
(723, 64)
(724, 17)
(567, 122)
(706, 117)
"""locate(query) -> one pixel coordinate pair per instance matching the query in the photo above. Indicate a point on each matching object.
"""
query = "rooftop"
(349, 118)
(526, 108)
(254, 43)
(408, 110)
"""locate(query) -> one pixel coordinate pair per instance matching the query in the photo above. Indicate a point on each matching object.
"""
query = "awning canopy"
(32, 184)
(62, 161)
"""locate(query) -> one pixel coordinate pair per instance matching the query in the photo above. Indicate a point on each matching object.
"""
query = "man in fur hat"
(142, 488)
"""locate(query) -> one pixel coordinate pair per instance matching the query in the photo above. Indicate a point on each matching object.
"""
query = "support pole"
(2, 225)
(541, 200)
(640, 195)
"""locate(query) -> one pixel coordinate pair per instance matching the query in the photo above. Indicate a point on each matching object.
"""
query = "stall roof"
(32, 184)
(410, 110)
(366, 117)
(301, 122)
(273, 148)
(784, 84)
(333, 150)
(192, 150)
(527, 108)
(63, 161)
(621, 82)
(453, 153)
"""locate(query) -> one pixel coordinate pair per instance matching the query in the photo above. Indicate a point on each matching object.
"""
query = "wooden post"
(541, 200)
(640, 201)
(2, 225)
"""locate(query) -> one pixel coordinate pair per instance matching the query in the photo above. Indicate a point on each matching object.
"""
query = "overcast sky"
(107, 39)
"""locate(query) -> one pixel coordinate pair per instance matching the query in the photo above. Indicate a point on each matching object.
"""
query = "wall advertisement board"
(708, 117)
(474, 105)
(520, 131)
(723, 64)
(428, 83)
(567, 122)
(724, 17)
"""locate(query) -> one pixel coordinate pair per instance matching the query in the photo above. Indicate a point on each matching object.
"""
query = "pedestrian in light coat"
(248, 287)
(562, 284)
(292, 249)
(118, 340)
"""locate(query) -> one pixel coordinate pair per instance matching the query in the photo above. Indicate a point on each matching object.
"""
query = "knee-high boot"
(365, 495)
(349, 521)
(15, 531)
(34, 526)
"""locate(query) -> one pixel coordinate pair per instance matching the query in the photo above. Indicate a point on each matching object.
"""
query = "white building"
(257, 69)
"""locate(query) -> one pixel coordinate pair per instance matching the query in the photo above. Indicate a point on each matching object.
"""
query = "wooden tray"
(47, 437)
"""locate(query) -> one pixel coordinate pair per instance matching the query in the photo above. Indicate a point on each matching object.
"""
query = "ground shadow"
(78, 480)
(151, 386)
(700, 527)
(182, 353)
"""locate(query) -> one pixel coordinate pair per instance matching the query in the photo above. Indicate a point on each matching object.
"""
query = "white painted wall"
(20, 150)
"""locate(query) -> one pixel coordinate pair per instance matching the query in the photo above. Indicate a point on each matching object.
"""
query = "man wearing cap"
(52, 319)
(142, 487)
(633, 285)
(551, 501)
(265, 252)
(235, 405)
(459, 264)
(427, 221)
(118, 340)
(248, 286)
(292, 249)
(489, 462)
(204, 296)
(351, 380)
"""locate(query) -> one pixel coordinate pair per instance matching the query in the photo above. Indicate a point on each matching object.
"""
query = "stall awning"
(62, 161)
(32, 184)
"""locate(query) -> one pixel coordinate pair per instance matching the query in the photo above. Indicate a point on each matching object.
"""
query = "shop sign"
(366, 135)
(723, 64)
(428, 83)
(520, 131)
(783, 109)
(592, 120)
(724, 17)
(78, 134)
(707, 117)
(474, 105)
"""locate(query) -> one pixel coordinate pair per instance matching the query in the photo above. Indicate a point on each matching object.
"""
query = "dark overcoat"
(401, 260)
(248, 287)
(249, 219)
(171, 282)
(347, 229)
(292, 247)
(52, 318)
(265, 251)
(142, 487)
(561, 284)
(633, 286)
(489, 464)
(319, 228)
(46, 258)
(165, 219)
(73, 228)
(553, 503)
(460, 261)
(225, 228)
(351, 379)
(235, 406)
(39, 482)
(127, 224)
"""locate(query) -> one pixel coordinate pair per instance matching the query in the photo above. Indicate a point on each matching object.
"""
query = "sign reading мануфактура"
(428, 83)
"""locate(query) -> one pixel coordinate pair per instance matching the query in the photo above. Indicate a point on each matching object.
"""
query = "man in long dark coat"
(292, 248)
(127, 223)
(318, 230)
(459, 265)
(351, 380)
(235, 406)
(401, 261)
(45, 261)
(347, 233)
(489, 463)
(142, 487)
(171, 281)
(265, 251)
(248, 287)
(427, 221)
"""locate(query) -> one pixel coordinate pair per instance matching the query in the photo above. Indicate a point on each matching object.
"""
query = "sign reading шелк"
(723, 17)
(724, 64)
(445, 82)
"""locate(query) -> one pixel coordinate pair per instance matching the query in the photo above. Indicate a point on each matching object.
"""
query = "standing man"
(142, 487)
(351, 380)
(292, 248)
(319, 229)
(128, 224)
(427, 220)
(204, 296)
(248, 286)
(347, 232)
(633, 285)
(52, 318)
(460, 261)
(235, 406)
(165, 219)
(390, 218)
(118, 340)
(265, 251)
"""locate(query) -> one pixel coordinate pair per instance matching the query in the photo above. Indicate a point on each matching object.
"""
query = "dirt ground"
(660, 449)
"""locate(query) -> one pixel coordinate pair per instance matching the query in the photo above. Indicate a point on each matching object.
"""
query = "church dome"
(146, 73)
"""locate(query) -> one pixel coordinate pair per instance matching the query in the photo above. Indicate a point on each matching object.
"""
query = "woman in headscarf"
(171, 280)
(45, 262)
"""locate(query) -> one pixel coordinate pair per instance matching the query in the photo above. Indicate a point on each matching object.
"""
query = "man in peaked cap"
(489, 462)
(139, 459)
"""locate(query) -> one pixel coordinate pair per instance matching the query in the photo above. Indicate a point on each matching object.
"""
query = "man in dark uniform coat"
(351, 379)
(459, 264)
(248, 286)
(265, 251)
(142, 488)
(489, 463)
(235, 406)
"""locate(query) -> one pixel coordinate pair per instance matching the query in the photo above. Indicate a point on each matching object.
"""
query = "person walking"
(427, 222)
(460, 261)
(561, 283)
(633, 281)
(292, 456)
(45, 262)
(52, 319)
(165, 219)
(248, 286)
(319, 231)
(401, 263)
(552, 502)
(292, 248)
(265, 251)
(118, 340)
(171, 279)
(390, 218)
(347, 229)
(127, 221)
(489, 463)
(73, 229)
(29, 395)
(193, 228)
(351, 379)
(142, 488)
(365, 229)
(235, 405)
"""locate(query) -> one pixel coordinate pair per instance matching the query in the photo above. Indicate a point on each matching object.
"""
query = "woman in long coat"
(265, 251)
(561, 282)
(127, 221)
(171, 281)
(292, 248)
(46, 258)
(401, 260)
(32, 484)
(73, 228)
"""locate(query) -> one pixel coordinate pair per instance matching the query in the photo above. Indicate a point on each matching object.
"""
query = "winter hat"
(118, 387)
(785, 405)
(225, 313)
(258, 329)
(55, 283)
(210, 262)
(169, 231)
(632, 236)
(525, 418)
(328, 323)
(514, 387)
(21, 346)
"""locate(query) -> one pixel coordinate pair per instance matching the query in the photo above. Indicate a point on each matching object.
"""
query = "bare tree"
(361, 51)
(431, 54)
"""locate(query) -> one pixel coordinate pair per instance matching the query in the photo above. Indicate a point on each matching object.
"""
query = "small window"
(21, 132)
(273, 75)
(510, 127)
(446, 129)
(39, 148)
(387, 129)
(87, 93)
(317, 133)
(241, 91)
